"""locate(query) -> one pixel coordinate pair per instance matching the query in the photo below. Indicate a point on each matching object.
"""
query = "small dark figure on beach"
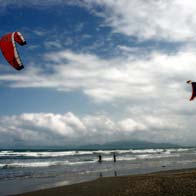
(114, 156)
(100, 159)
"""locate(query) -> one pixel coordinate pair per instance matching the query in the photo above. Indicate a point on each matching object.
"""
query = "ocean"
(28, 170)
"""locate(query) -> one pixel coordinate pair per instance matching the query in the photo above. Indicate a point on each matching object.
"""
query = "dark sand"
(169, 183)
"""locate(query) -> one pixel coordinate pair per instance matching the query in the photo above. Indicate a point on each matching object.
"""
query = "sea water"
(28, 170)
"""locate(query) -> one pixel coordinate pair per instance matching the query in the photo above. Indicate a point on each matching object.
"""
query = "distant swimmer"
(193, 89)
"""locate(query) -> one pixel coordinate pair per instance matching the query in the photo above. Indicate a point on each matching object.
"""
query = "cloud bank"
(48, 129)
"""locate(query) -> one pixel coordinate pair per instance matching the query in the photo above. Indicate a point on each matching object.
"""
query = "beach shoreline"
(171, 182)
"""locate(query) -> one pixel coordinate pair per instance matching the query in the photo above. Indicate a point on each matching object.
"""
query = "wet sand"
(167, 183)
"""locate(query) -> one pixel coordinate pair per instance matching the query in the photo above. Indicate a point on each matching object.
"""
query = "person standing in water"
(100, 159)
(114, 157)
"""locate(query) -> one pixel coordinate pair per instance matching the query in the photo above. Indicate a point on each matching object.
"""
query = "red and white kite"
(9, 50)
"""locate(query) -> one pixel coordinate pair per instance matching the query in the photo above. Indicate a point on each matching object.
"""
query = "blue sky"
(98, 71)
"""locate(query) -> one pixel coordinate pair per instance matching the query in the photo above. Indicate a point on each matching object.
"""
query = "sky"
(99, 71)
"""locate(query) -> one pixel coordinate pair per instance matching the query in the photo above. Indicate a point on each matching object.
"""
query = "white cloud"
(38, 32)
(53, 44)
(54, 129)
(130, 125)
(48, 129)
(169, 20)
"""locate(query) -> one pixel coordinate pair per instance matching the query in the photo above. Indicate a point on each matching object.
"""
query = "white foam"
(156, 156)
(173, 150)
(125, 158)
(19, 164)
(144, 151)
(6, 151)
(43, 154)
(106, 152)
(27, 164)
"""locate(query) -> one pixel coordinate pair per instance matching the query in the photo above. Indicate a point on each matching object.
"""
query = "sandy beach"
(167, 183)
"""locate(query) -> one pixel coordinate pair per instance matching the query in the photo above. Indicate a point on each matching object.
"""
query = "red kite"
(9, 50)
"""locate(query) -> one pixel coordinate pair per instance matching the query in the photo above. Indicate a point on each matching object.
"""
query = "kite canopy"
(9, 50)
(193, 89)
